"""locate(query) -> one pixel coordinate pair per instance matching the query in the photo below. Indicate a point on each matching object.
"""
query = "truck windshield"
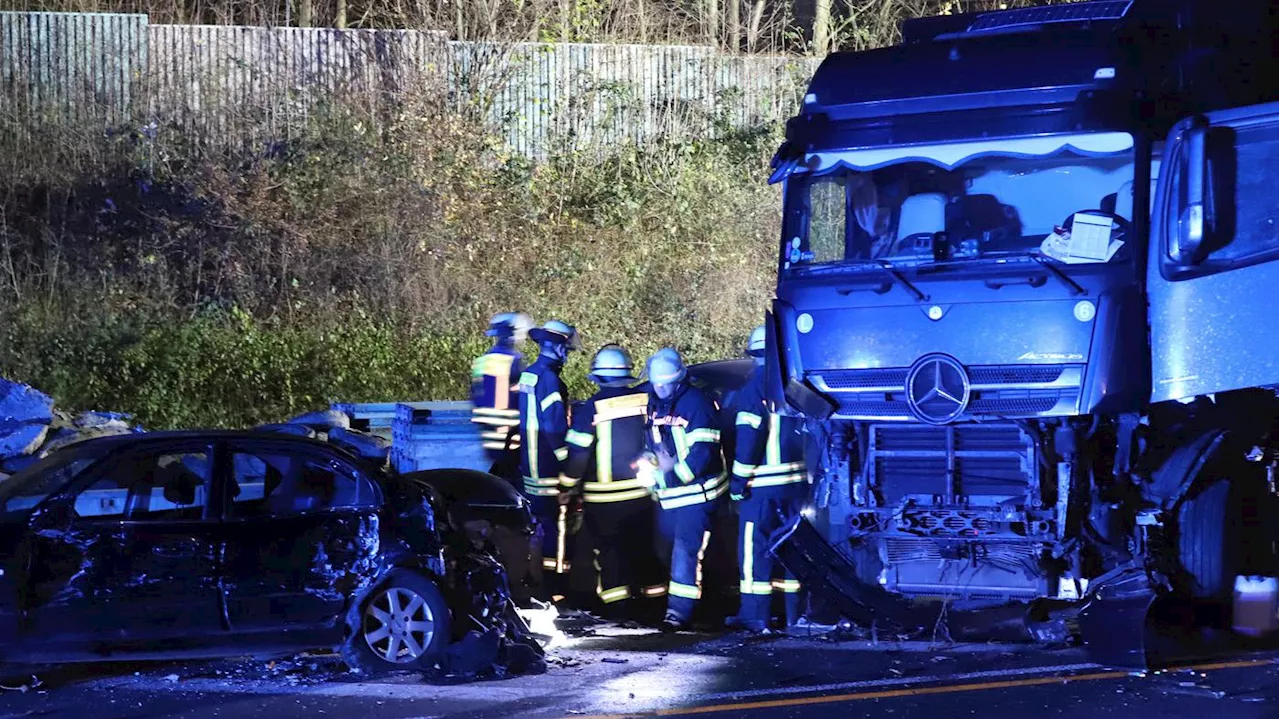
(1066, 198)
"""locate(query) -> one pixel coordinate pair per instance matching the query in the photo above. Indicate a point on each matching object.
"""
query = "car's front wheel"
(402, 624)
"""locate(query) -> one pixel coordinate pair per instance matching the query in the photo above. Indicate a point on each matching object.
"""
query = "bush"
(196, 285)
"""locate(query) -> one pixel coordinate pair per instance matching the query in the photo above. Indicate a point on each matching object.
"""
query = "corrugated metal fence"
(71, 66)
(222, 82)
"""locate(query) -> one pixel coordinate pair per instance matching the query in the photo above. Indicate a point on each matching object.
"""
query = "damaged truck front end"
(962, 316)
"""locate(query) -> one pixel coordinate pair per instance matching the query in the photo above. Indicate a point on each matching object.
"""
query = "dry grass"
(196, 283)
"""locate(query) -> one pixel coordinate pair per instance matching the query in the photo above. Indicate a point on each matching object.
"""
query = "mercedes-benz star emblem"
(937, 389)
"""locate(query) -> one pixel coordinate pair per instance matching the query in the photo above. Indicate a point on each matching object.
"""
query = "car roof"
(725, 375)
(142, 439)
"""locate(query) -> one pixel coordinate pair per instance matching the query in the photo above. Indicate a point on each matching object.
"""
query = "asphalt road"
(621, 673)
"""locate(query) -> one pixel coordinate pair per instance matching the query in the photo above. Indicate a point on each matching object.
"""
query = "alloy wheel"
(398, 625)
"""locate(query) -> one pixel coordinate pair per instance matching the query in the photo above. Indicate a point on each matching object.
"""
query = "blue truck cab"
(1027, 298)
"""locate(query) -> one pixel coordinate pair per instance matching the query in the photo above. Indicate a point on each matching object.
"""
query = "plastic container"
(1255, 612)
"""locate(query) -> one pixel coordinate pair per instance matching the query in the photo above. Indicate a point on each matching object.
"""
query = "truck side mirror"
(1188, 238)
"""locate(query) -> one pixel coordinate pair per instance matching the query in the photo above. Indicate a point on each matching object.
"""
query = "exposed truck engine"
(1027, 298)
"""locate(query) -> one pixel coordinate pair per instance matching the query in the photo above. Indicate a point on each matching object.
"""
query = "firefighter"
(606, 437)
(687, 470)
(544, 421)
(494, 378)
(769, 483)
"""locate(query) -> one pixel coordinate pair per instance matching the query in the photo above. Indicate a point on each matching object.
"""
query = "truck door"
(1212, 275)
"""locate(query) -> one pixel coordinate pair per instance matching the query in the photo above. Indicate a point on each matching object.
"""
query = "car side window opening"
(171, 486)
(269, 483)
(30, 486)
(1242, 197)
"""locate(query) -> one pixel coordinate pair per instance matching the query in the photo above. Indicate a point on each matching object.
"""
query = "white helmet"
(557, 332)
(666, 366)
(520, 326)
(612, 362)
(513, 324)
(755, 344)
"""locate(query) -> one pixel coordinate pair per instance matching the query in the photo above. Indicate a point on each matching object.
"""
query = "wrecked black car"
(232, 543)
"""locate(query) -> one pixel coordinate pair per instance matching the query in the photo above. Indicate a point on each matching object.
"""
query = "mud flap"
(829, 574)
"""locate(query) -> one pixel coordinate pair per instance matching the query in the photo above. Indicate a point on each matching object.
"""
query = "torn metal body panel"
(828, 573)
(207, 543)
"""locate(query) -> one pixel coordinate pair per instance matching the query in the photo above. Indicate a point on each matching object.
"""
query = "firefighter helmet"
(557, 332)
(612, 362)
(666, 367)
(510, 324)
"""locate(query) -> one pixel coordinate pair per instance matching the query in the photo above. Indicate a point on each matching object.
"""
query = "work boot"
(749, 626)
(673, 623)
(616, 611)
(805, 626)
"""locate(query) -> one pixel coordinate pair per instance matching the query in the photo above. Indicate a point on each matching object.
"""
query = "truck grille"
(998, 391)
(955, 465)
(900, 551)
(994, 570)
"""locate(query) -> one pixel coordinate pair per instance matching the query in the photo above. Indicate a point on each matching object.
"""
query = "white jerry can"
(1255, 612)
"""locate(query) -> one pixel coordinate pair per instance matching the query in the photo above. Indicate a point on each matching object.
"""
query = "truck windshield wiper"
(893, 272)
(1071, 284)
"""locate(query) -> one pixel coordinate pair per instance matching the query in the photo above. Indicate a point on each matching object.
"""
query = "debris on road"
(35, 683)
(1195, 690)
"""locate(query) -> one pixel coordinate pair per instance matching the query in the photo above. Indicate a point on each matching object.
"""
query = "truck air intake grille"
(953, 464)
(865, 378)
(997, 391)
(1027, 17)
(896, 377)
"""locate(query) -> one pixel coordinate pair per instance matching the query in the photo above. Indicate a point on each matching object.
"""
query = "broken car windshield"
(30, 486)
(913, 206)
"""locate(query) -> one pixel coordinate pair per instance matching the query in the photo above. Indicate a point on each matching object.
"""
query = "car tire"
(402, 624)
(1209, 523)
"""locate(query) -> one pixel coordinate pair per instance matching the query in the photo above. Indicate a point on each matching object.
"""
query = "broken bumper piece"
(832, 577)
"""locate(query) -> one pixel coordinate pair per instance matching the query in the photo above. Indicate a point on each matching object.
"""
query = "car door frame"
(308, 585)
(129, 606)
(1205, 319)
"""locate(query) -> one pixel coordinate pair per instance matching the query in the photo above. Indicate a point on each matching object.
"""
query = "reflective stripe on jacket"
(605, 440)
(686, 426)
(544, 417)
(768, 446)
(494, 397)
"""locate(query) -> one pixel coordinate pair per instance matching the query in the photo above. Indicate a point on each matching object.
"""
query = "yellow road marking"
(920, 691)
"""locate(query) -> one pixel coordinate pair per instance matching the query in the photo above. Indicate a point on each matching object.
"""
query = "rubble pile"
(30, 427)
